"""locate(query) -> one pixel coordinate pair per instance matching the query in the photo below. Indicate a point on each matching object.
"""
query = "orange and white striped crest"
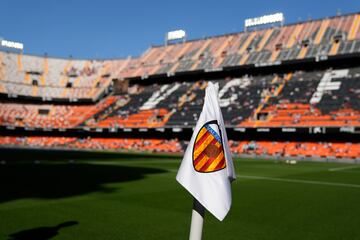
(208, 152)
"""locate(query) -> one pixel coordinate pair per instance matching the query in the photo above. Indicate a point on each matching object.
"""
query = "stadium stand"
(50, 115)
(330, 36)
(150, 145)
(250, 101)
(165, 90)
(260, 148)
(51, 78)
(43, 76)
(329, 98)
(297, 149)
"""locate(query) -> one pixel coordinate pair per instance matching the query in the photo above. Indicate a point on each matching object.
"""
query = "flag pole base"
(197, 220)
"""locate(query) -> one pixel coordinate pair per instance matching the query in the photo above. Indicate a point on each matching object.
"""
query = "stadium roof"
(254, 29)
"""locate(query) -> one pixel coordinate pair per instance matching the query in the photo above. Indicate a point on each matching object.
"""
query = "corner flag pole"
(197, 220)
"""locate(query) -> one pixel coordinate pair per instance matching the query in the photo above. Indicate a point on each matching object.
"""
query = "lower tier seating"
(259, 148)
(50, 115)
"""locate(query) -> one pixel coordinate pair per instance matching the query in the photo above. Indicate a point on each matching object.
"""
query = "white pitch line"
(333, 184)
(343, 168)
(349, 185)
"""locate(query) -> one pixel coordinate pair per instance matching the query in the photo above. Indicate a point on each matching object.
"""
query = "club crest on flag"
(208, 152)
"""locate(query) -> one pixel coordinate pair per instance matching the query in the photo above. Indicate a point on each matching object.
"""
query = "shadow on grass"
(41, 233)
(59, 180)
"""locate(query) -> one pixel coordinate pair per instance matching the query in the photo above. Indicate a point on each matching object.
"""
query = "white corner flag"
(207, 169)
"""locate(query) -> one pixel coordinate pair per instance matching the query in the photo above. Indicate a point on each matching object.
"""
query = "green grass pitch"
(126, 196)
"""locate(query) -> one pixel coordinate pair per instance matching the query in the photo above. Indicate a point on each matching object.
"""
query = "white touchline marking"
(347, 171)
(343, 168)
(334, 184)
(301, 181)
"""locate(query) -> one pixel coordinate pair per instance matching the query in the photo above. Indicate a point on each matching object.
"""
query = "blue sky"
(109, 28)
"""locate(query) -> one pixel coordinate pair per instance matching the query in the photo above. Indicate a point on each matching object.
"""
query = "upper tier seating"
(53, 78)
(316, 38)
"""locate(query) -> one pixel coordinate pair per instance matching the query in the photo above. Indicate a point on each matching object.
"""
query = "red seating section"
(142, 119)
(36, 141)
(305, 149)
(304, 115)
(148, 145)
(264, 148)
(58, 116)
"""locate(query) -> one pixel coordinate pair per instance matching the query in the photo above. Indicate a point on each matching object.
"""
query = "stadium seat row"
(263, 148)
(55, 78)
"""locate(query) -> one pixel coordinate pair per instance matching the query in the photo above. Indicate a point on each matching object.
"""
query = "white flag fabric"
(207, 170)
